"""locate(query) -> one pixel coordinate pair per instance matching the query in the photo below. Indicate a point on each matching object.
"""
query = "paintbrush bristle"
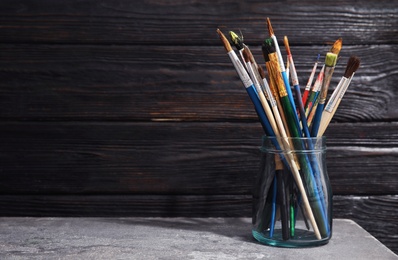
(236, 40)
(267, 47)
(225, 41)
(330, 59)
(249, 54)
(337, 45)
(265, 52)
(286, 42)
(270, 30)
(261, 72)
(246, 55)
(352, 66)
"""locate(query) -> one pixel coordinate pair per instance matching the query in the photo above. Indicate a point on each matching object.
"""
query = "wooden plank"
(147, 22)
(126, 205)
(152, 83)
(377, 214)
(177, 158)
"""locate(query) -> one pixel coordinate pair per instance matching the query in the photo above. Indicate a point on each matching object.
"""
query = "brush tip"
(270, 29)
(337, 45)
(246, 55)
(352, 66)
(224, 40)
(286, 42)
(267, 47)
(236, 40)
(331, 59)
(261, 72)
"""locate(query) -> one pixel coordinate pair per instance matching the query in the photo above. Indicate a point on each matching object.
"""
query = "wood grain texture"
(119, 108)
(126, 22)
(177, 158)
(45, 82)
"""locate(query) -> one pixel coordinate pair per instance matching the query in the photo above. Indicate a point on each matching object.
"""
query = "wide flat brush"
(334, 101)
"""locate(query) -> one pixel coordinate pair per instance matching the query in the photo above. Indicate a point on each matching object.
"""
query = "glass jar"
(292, 199)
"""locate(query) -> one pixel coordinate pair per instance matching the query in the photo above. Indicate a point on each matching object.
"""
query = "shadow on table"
(237, 228)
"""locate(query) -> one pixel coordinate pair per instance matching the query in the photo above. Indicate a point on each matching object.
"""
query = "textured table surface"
(169, 238)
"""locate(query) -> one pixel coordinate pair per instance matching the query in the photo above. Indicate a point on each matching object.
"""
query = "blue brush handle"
(292, 103)
(260, 111)
(302, 112)
(317, 119)
(273, 215)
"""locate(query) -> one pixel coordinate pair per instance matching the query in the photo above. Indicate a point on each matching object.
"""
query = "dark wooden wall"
(132, 108)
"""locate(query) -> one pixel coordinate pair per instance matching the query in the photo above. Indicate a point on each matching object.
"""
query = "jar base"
(302, 238)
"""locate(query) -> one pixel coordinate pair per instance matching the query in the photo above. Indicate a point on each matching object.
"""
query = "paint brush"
(295, 172)
(296, 87)
(312, 159)
(240, 46)
(237, 41)
(312, 102)
(282, 200)
(274, 106)
(318, 203)
(310, 79)
(330, 63)
(282, 69)
(334, 101)
(248, 84)
(313, 96)
(252, 73)
(284, 106)
(268, 48)
(250, 88)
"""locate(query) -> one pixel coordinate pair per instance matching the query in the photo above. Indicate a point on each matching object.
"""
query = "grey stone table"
(169, 238)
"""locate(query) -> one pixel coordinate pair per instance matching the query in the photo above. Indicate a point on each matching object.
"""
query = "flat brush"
(278, 118)
(330, 63)
(284, 106)
(336, 47)
(334, 101)
(267, 48)
(282, 68)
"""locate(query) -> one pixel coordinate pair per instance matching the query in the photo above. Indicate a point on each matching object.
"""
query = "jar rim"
(300, 144)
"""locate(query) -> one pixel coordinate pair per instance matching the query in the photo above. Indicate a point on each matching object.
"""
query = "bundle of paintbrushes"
(284, 117)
